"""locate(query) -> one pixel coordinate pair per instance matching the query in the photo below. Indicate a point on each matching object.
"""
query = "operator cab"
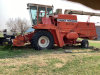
(37, 12)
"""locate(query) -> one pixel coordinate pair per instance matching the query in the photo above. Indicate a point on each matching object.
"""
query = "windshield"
(34, 15)
(41, 14)
(49, 11)
(38, 13)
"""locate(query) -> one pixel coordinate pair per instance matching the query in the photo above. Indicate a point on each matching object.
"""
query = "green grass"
(77, 66)
(1, 35)
(9, 52)
(12, 52)
(27, 61)
(97, 45)
(84, 66)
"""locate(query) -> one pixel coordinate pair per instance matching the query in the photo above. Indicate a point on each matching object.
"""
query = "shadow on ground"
(25, 51)
(29, 47)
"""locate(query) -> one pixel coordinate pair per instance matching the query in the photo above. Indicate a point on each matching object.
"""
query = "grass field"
(27, 61)
(1, 35)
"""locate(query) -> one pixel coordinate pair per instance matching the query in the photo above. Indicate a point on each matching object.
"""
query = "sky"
(18, 8)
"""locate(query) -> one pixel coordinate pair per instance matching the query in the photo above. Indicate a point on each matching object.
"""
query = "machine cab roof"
(37, 11)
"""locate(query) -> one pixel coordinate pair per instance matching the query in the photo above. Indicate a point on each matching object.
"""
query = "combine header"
(56, 28)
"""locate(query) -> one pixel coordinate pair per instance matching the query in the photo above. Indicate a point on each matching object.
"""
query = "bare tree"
(18, 24)
(11, 24)
(22, 24)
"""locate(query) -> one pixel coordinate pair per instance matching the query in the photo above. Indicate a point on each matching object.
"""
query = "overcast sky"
(17, 8)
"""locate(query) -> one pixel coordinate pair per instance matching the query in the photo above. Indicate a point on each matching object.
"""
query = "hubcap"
(43, 41)
(86, 45)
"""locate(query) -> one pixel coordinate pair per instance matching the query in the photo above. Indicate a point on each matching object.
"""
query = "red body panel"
(20, 40)
(87, 29)
(65, 16)
(66, 29)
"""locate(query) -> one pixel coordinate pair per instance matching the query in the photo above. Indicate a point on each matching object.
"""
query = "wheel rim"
(86, 44)
(43, 41)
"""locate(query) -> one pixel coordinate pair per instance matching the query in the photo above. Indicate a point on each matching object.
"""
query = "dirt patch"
(59, 65)
(94, 41)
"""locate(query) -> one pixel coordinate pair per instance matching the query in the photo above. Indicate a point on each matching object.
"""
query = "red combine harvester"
(57, 28)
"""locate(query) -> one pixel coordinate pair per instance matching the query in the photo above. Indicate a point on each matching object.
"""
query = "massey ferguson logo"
(66, 20)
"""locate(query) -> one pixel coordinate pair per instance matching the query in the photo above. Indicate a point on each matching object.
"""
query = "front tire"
(85, 44)
(42, 40)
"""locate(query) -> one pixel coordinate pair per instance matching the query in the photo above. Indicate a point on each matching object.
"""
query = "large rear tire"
(85, 44)
(42, 40)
